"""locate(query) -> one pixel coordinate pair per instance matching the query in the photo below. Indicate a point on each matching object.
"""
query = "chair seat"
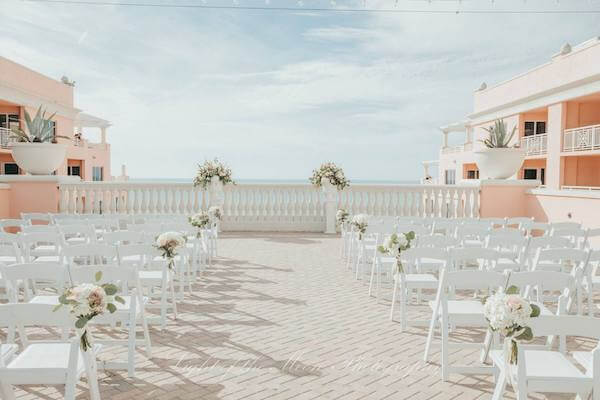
(47, 259)
(464, 312)
(419, 280)
(7, 350)
(149, 275)
(43, 250)
(7, 260)
(53, 300)
(46, 363)
(473, 243)
(543, 365)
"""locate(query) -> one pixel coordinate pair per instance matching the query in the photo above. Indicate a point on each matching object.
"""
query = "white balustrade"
(263, 207)
(6, 137)
(582, 138)
(535, 144)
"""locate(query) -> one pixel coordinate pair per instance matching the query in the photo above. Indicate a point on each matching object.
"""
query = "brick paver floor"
(278, 316)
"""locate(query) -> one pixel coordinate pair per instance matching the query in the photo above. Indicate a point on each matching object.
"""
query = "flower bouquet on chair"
(395, 244)
(168, 243)
(509, 314)
(360, 222)
(87, 301)
(201, 220)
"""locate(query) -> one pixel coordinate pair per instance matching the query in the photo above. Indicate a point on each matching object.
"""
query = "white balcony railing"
(535, 145)
(581, 139)
(453, 149)
(296, 207)
(6, 138)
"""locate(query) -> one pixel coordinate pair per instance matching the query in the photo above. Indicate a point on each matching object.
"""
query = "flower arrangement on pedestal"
(210, 169)
(168, 243)
(86, 301)
(395, 244)
(509, 314)
(360, 222)
(333, 173)
(341, 216)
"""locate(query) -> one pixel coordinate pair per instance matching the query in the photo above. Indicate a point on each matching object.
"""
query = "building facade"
(555, 109)
(22, 89)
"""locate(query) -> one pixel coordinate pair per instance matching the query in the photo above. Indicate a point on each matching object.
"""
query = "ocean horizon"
(277, 181)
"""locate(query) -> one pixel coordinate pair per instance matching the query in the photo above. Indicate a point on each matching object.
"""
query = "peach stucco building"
(556, 110)
(24, 89)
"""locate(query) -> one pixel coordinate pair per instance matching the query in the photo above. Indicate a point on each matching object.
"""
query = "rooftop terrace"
(278, 316)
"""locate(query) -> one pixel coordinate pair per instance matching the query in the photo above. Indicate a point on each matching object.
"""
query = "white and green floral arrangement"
(395, 244)
(332, 172)
(360, 222)
(86, 301)
(210, 169)
(215, 214)
(508, 313)
(168, 243)
(341, 216)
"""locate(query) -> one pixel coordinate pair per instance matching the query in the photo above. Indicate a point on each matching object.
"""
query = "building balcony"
(584, 138)
(535, 145)
(453, 149)
(6, 138)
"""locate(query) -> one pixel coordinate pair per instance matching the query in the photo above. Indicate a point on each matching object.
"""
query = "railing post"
(330, 192)
(217, 195)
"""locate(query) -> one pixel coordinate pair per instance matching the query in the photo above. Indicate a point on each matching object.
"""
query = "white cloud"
(274, 94)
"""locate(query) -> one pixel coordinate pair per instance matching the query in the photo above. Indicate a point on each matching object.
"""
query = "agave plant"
(497, 135)
(41, 129)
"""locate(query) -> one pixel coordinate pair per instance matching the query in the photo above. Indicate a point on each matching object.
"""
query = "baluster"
(459, 203)
(80, 196)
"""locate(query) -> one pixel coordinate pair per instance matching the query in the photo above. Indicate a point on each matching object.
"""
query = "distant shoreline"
(275, 181)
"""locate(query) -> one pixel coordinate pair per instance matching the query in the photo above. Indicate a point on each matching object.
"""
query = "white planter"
(39, 158)
(499, 163)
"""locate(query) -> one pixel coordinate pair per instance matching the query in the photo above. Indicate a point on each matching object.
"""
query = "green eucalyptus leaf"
(535, 311)
(98, 276)
(81, 321)
(111, 307)
(120, 299)
(110, 289)
(512, 290)
(526, 335)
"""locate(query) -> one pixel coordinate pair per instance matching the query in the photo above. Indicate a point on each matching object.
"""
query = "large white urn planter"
(499, 163)
(39, 158)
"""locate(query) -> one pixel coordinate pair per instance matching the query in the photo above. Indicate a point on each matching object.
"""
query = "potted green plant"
(36, 151)
(499, 159)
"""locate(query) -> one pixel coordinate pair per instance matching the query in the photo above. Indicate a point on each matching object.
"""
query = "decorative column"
(445, 140)
(330, 204)
(557, 116)
(216, 196)
(103, 135)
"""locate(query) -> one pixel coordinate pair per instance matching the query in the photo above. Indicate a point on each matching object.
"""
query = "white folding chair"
(548, 371)
(573, 261)
(577, 236)
(437, 241)
(480, 258)
(10, 248)
(41, 246)
(414, 277)
(512, 249)
(521, 223)
(447, 310)
(32, 275)
(91, 253)
(538, 229)
(543, 242)
(123, 237)
(75, 234)
(128, 314)
(154, 274)
(59, 362)
(12, 225)
(471, 235)
(37, 218)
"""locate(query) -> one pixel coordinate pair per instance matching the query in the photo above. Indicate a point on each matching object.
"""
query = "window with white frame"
(10, 169)
(450, 176)
(535, 128)
(97, 173)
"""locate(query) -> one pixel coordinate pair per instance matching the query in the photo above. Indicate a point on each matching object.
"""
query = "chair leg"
(394, 294)
(173, 299)
(148, 343)
(371, 280)
(131, 349)
(6, 391)
(500, 386)
(445, 361)
(91, 371)
(403, 306)
(429, 336)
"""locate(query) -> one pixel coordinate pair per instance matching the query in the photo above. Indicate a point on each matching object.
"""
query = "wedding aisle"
(278, 316)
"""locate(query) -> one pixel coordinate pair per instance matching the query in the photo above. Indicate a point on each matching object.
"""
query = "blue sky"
(274, 94)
